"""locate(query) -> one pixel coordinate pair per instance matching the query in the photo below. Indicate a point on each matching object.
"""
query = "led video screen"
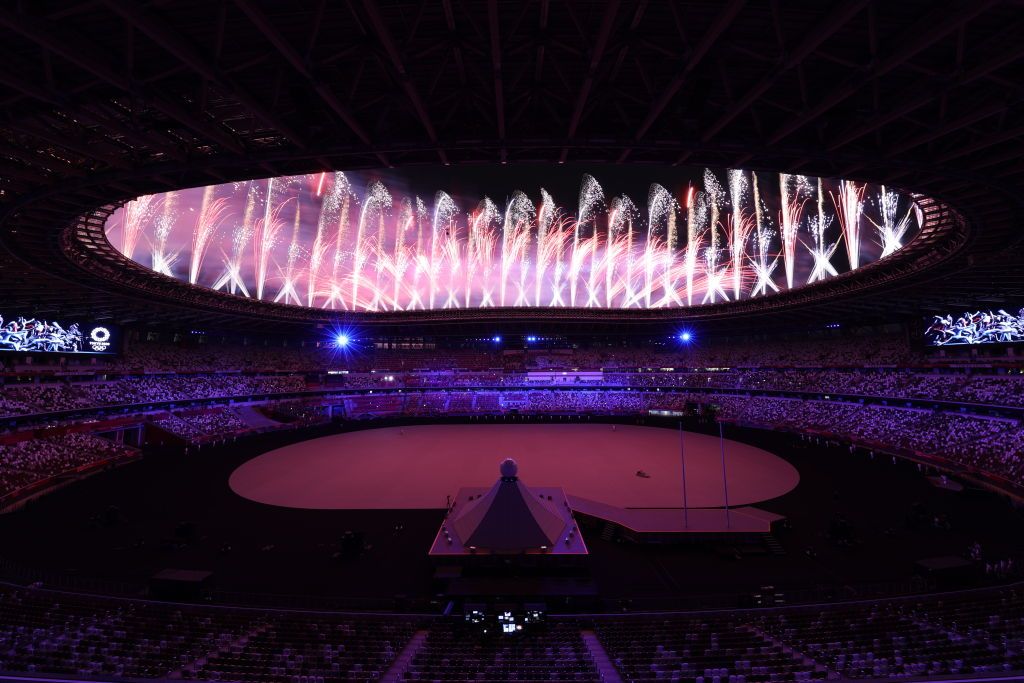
(979, 327)
(35, 335)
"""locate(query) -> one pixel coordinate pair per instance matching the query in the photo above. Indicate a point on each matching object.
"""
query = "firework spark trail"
(615, 252)
(696, 222)
(261, 245)
(451, 253)
(821, 251)
(212, 215)
(400, 254)
(444, 214)
(715, 277)
(377, 251)
(162, 260)
(487, 246)
(741, 224)
(329, 211)
(891, 231)
(792, 190)
(344, 191)
(591, 198)
(377, 198)
(621, 215)
(295, 250)
(232, 277)
(481, 242)
(134, 220)
(660, 207)
(267, 230)
(415, 260)
(519, 214)
(541, 253)
(557, 239)
(849, 203)
(577, 255)
(763, 270)
(545, 216)
(661, 212)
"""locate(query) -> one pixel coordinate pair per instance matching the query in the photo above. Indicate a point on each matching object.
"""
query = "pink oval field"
(416, 467)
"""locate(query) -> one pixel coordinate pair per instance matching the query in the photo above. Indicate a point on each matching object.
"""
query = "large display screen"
(979, 327)
(35, 335)
(593, 238)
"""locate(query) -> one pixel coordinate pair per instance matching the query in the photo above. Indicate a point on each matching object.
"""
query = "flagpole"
(682, 457)
(725, 478)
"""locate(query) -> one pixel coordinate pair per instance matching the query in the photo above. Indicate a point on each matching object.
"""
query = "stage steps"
(609, 531)
(401, 663)
(773, 545)
(609, 674)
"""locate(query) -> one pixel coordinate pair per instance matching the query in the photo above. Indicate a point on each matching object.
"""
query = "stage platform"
(421, 467)
(645, 523)
(450, 547)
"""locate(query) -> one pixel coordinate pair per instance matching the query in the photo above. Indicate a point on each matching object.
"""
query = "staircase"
(609, 674)
(609, 531)
(773, 545)
(401, 663)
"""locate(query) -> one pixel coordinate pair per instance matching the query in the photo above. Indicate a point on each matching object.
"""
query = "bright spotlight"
(496, 340)
(685, 337)
(342, 340)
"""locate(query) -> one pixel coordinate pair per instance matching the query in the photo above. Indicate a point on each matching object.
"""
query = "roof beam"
(292, 56)
(162, 34)
(928, 94)
(45, 34)
(922, 35)
(384, 35)
(813, 39)
(596, 54)
(499, 89)
(709, 38)
(973, 116)
(983, 143)
(60, 101)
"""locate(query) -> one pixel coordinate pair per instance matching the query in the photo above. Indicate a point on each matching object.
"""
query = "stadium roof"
(104, 100)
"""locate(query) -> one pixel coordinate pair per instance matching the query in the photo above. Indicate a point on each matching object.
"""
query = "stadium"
(534, 341)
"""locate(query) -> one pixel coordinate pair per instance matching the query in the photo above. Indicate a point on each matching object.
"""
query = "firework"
(317, 241)
(821, 251)
(793, 191)
(849, 203)
(136, 215)
(891, 230)
(740, 224)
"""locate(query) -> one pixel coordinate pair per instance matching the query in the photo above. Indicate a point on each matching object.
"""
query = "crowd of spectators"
(990, 445)
(974, 632)
(203, 425)
(21, 399)
(111, 639)
(1006, 390)
(748, 381)
(26, 462)
(970, 633)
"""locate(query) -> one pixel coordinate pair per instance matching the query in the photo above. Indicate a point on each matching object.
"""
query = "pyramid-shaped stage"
(509, 518)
